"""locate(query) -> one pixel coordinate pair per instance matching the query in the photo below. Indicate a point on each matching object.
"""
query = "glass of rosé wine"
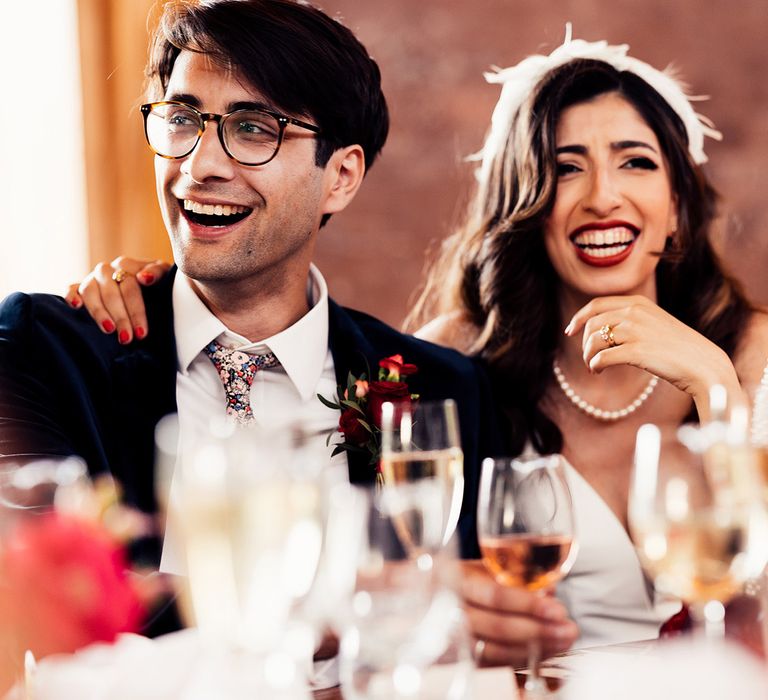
(526, 531)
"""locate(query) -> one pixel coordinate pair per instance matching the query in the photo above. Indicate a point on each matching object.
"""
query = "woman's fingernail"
(108, 326)
(568, 328)
(124, 337)
(139, 332)
(147, 277)
(75, 303)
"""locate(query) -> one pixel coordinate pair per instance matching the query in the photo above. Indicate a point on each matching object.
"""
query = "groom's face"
(227, 221)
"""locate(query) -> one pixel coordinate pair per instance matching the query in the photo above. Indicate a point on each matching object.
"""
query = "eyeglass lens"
(250, 136)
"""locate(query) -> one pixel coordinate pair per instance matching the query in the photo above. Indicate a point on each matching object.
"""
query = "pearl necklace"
(598, 413)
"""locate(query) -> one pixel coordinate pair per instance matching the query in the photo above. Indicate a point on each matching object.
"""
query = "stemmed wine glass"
(422, 441)
(403, 631)
(526, 531)
(697, 520)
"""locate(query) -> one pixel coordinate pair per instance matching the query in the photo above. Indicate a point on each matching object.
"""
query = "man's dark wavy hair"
(303, 62)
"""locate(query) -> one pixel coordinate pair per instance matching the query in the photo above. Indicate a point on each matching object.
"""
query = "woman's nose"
(603, 195)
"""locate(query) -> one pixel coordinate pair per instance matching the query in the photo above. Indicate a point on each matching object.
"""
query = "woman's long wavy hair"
(494, 271)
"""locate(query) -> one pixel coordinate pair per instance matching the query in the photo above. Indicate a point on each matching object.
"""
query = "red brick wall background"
(432, 54)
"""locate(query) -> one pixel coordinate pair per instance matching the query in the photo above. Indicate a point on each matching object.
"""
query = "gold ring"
(119, 275)
(606, 333)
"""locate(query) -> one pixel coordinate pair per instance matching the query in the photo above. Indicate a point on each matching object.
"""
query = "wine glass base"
(548, 686)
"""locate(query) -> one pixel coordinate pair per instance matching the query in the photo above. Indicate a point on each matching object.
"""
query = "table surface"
(555, 670)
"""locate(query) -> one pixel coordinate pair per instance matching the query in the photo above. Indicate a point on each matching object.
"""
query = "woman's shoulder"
(453, 330)
(752, 353)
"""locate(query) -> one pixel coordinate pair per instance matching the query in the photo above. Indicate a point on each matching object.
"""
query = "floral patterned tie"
(236, 370)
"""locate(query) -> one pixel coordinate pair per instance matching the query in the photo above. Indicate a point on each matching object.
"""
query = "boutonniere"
(360, 405)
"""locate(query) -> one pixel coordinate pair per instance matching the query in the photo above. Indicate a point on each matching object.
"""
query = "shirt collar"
(301, 348)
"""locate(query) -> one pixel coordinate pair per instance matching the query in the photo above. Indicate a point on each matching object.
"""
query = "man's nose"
(208, 159)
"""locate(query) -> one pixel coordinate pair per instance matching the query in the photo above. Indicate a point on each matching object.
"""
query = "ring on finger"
(606, 333)
(119, 275)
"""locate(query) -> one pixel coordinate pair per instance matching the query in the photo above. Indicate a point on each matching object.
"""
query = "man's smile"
(210, 214)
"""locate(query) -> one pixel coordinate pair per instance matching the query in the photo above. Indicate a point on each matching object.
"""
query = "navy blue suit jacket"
(66, 388)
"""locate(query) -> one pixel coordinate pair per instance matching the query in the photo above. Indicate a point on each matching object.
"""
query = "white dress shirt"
(279, 397)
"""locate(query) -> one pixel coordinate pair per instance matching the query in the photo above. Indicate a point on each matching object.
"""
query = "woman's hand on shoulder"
(111, 293)
(633, 330)
(504, 620)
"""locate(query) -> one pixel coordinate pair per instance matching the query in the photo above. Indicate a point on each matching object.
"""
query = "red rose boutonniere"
(360, 405)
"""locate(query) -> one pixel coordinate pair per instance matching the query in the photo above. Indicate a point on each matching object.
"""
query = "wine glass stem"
(708, 619)
(534, 684)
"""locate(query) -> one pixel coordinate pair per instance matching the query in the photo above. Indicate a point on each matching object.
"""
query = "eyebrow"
(231, 107)
(615, 146)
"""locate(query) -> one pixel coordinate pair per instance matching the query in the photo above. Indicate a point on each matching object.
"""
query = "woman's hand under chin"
(633, 330)
(118, 306)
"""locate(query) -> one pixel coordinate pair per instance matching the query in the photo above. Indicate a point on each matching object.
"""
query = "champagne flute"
(245, 512)
(422, 441)
(697, 520)
(526, 531)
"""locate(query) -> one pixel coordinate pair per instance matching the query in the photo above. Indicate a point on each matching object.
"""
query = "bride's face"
(614, 207)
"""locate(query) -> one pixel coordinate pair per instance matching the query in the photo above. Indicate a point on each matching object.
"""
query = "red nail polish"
(139, 332)
(108, 326)
(147, 277)
(124, 337)
(76, 303)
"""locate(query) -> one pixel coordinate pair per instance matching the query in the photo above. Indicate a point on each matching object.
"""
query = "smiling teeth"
(605, 252)
(610, 236)
(213, 209)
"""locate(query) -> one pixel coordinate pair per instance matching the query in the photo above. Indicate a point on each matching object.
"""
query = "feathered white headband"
(518, 81)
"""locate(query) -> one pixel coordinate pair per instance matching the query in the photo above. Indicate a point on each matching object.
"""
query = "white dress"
(606, 592)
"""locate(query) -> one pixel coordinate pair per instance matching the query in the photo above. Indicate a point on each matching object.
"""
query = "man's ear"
(343, 175)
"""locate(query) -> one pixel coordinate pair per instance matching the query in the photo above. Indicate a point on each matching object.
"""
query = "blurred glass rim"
(524, 464)
(252, 451)
(401, 418)
(57, 471)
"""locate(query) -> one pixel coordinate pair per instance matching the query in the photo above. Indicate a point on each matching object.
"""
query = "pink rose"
(361, 389)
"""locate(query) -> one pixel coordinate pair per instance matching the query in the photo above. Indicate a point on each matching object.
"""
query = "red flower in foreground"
(63, 585)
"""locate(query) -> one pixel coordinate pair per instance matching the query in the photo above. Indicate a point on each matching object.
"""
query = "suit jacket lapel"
(351, 352)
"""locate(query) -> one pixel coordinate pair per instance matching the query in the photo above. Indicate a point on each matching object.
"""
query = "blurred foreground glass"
(526, 530)
(697, 518)
(403, 631)
(247, 509)
(422, 441)
(40, 486)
